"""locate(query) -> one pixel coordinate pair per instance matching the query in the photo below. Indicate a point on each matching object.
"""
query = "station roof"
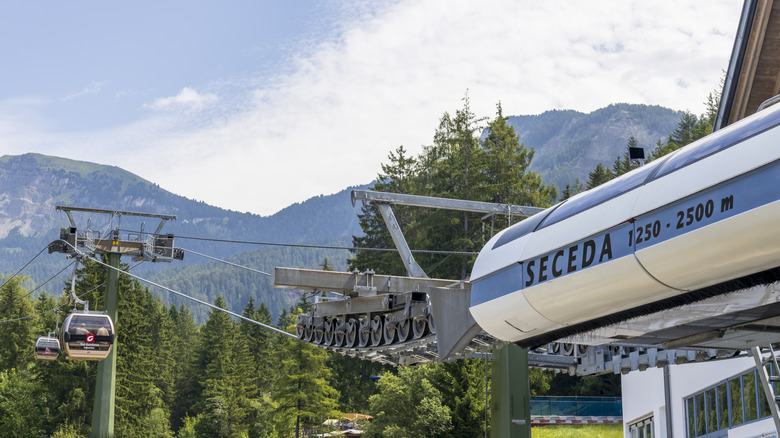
(754, 70)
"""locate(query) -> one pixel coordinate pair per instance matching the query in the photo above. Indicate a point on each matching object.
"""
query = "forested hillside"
(31, 185)
(219, 378)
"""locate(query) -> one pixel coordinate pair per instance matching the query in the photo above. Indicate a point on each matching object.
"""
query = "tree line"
(233, 378)
(174, 378)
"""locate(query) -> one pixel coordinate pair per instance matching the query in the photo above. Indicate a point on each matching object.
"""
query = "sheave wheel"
(376, 331)
(404, 329)
(351, 333)
(431, 324)
(328, 329)
(389, 331)
(319, 335)
(364, 333)
(419, 327)
(338, 337)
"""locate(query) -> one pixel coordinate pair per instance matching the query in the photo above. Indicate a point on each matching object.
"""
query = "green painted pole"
(511, 393)
(103, 411)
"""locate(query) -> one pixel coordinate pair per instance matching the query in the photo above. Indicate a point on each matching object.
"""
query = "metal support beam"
(114, 212)
(412, 268)
(349, 283)
(443, 203)
(383, 200)
(105, 389)
(378, 303)
(163, 217)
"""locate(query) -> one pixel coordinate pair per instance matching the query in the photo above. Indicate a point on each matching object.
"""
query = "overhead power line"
(50, 279)
(347, 248)
(61, 305)
(25, 265)
(137, 277)
(303, 245)
(226, 262)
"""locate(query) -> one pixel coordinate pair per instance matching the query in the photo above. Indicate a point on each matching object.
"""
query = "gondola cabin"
(87, 335)
(47, 348)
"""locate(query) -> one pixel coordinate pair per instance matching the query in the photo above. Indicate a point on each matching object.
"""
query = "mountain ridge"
(31, 185)
(568, 145)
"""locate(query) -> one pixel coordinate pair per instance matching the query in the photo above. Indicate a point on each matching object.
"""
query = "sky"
(253, 105)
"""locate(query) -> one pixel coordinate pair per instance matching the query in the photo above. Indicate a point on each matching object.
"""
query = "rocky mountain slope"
(31, 185)
(569, 144)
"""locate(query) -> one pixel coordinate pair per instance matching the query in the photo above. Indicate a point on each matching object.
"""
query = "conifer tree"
(226, 376)
(18, 333)
(572, 190)
(163, 341)
(137, 358)
(689, 128)
(453, 167)
(47, 320)
(186, 344)
(303, 392)
(258, 340)
(508, 178)
(462, 385)
(685, 132)
(21, 412)
(599, 176)
(396, 177)
(623, 165)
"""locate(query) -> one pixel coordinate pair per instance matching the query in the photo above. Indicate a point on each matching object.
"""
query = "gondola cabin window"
(87, 336)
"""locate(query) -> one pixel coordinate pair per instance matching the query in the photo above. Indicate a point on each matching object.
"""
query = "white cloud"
(187, 99)
(93, 88)
(386, 78)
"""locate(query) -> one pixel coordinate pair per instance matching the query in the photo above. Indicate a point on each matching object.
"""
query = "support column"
(511, 402)
(103, 411)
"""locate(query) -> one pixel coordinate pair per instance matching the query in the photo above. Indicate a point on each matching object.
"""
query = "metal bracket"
(383, 200)
(412, 268)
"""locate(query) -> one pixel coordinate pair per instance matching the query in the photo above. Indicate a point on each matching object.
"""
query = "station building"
(720, 398)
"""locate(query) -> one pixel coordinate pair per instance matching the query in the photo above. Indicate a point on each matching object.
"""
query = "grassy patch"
(579, 431)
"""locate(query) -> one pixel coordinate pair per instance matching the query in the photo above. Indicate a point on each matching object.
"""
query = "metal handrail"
(769, 102)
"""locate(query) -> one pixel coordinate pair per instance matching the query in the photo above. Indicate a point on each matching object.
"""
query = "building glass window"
(712, 410)
(735, 386)
(723, 407)
(701, 424)
(691, 418)
(773, 372)
(750, 396)
(727, 404)
(641, 429)
(763, 406)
